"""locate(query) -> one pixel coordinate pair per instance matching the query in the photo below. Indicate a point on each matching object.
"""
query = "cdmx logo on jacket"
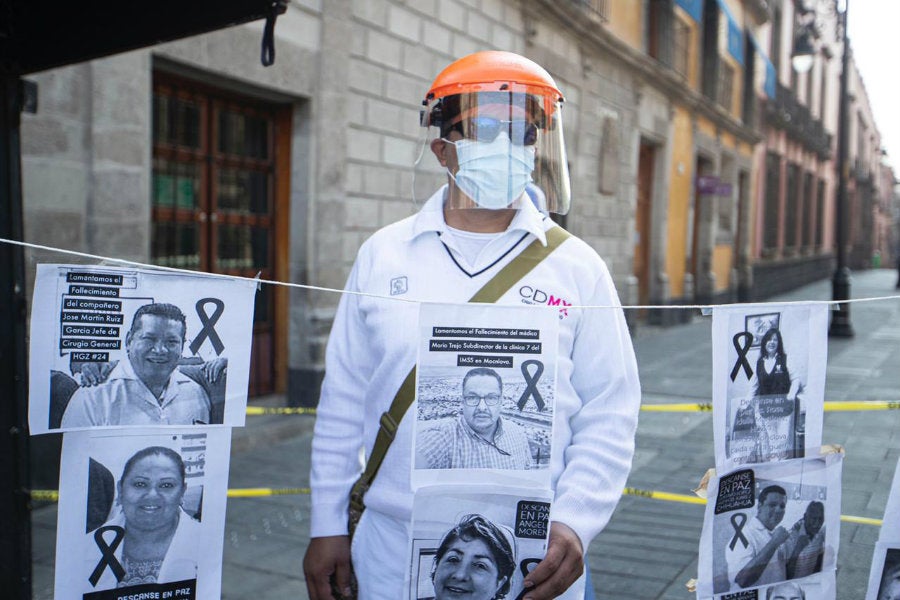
(532, 295)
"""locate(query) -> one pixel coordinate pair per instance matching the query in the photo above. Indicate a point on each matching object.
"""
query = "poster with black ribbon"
(768, 382)
(142, 513)
(772, 527)
(476, 544)
(884, 577)
(485, 394)
(113, 347)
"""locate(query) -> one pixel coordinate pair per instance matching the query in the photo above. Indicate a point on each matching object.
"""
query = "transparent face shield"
(493, 150)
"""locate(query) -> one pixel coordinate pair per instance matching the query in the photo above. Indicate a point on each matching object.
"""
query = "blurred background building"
(702, 162)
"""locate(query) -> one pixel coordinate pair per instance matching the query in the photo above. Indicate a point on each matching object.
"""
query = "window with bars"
(820, 213)
(681, 46)
(773, 186)
(725, 86)
(791, 206)
(807, 210)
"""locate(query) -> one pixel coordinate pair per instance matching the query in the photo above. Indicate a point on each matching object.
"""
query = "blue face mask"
(493, 174)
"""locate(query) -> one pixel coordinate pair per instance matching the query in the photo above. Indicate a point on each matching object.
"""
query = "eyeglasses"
(472, 399)
(486, 129)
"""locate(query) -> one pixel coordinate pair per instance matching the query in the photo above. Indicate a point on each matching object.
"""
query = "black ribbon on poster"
(209, 325)
(738, 530)
(531, 382)
(742, 342)
(108, 550)
(527, 566)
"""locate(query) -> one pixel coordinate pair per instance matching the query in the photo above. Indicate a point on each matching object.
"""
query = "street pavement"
(649, 549)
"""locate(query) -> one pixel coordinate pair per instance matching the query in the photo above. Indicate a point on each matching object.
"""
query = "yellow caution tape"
(260, 492)
(53, 496)
(279, 410)
(848, 405)
(688, 499)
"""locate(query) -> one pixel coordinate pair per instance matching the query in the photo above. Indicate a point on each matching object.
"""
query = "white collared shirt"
(123, 399)
(373, 344)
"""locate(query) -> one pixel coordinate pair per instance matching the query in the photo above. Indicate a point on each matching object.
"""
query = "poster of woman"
(141, 511)
(768, 382)
(477, 543)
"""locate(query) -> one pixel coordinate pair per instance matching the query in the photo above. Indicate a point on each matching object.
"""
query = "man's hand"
(96, 373)
(562, 565)
(214, 368)
(327, 556)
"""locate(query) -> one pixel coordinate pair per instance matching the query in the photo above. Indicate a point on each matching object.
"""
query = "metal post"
(15, 505)
(840, 283)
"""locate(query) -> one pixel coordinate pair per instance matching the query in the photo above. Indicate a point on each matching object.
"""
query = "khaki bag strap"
(492, 291)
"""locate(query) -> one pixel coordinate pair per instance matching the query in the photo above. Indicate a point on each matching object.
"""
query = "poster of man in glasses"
(485, 391)
(115, 347)
(142, 511)
(769, 380)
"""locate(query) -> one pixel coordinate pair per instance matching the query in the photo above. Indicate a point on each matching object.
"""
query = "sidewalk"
(649, 550)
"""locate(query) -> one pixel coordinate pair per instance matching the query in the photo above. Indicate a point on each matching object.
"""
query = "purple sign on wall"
(707, 184)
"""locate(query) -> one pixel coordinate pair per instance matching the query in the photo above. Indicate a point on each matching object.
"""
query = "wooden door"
(214, 197)
(642, 242)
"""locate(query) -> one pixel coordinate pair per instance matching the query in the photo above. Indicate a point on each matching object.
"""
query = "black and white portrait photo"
(148, 510)
(769, 382)
(485, 394)
(138, 348)
(770, 524)
(473, 421)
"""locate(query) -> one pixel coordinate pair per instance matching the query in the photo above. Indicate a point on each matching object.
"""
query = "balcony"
(785, 112)
(599, 8)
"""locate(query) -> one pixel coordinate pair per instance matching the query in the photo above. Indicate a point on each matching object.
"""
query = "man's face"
(770, 511)
(155, 347)
(814, 518)
(482, 391)
(786, 591)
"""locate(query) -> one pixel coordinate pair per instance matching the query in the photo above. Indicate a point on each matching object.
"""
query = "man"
(479, 438)
(495, 118)
(146, 389)
(755, 554)
(805, 548)
(786, 591)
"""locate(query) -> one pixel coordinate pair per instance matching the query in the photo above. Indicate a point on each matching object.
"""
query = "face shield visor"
(493, 150)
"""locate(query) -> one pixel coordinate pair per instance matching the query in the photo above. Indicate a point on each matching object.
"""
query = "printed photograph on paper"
(475, 544)
(890, 528)
(771, 523)
(884, 579)
(142, 512)
(786, 590)
(769, 381)
(115, 347)
(485, 393)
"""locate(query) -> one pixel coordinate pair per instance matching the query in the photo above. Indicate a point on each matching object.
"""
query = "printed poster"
(884, 578)
(476, 544)
(768, 382)
(115, 346)
(771, 523)
(485, 394)
(142, 509)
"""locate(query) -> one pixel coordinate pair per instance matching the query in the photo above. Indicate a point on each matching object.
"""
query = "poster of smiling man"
(770, 523)
(113, 346)
(768, 382)
(884, 577)
(144, 510)
(485, 394)
(475, 545)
